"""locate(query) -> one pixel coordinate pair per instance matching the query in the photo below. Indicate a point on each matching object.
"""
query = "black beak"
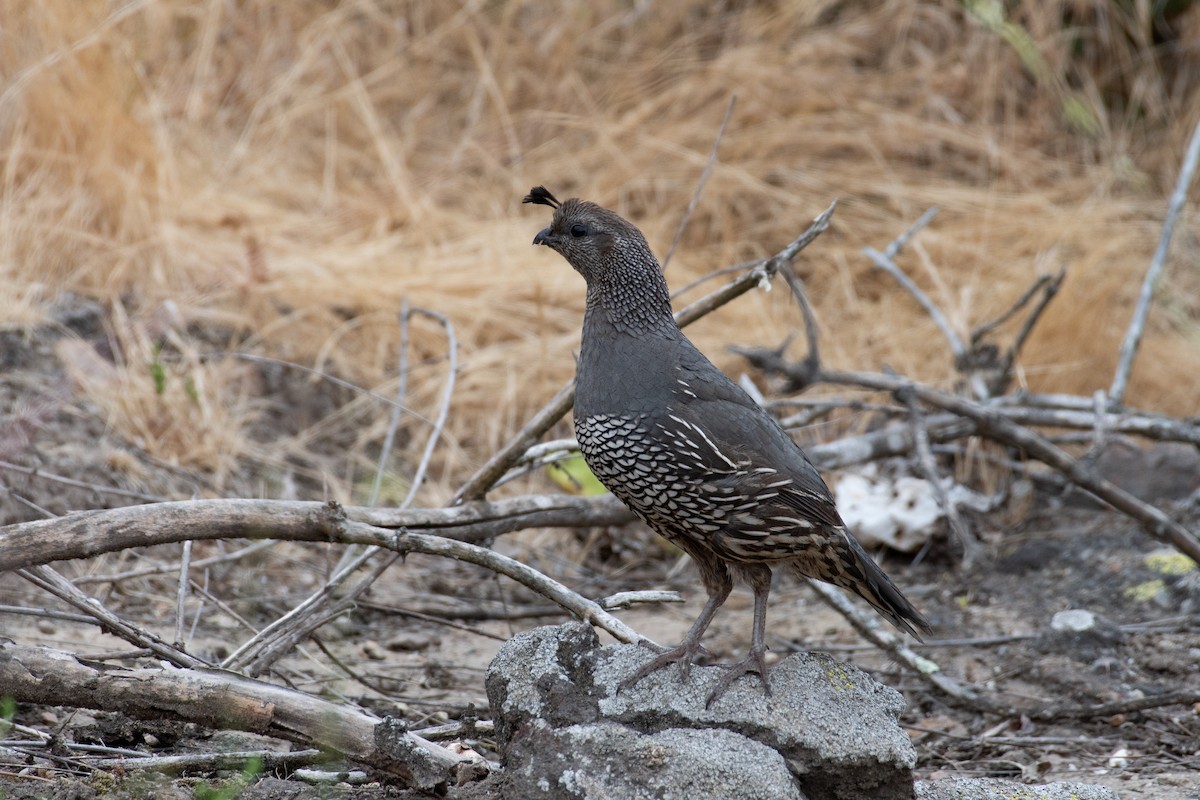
(543, 237)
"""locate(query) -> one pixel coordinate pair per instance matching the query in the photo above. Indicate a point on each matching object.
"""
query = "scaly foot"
(755, 662)
(684, 655)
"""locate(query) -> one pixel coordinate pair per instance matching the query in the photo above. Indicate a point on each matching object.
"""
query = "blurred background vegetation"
(273, 179)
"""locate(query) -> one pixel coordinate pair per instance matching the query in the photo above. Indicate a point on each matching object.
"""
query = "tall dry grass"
(285, 174)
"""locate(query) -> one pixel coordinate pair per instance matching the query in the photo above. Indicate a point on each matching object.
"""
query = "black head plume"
(539, 195)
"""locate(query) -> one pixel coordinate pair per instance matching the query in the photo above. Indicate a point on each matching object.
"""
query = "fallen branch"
(48, 579)
(224, 700)
(207, 763)
(990, 421)
(999, 428)
(89, 533)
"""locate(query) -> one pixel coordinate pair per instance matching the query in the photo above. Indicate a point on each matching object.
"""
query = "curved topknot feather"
(540, 195)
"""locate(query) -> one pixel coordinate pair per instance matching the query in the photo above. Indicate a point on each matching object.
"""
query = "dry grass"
(286, 173)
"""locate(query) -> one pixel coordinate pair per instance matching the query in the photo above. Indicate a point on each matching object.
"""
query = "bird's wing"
(748, 444)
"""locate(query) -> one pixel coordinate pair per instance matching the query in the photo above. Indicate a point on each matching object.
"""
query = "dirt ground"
(418, 646)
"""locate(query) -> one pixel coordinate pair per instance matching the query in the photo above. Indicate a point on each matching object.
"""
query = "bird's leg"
(687, 650)
(759, 577)
(719, 583)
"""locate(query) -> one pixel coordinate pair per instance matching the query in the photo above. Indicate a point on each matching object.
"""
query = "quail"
(689, 451)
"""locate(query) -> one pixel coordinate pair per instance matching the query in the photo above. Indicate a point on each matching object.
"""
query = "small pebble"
(1075, 620)
(408, 641)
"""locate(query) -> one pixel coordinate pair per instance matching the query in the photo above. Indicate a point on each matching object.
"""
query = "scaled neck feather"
(632, 298)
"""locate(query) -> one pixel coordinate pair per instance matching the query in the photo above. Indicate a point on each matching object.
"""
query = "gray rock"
(995, 789)
(607, 760)
(558, 717)
(827, 732)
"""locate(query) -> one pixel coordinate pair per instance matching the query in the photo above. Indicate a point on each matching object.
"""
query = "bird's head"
(598, 243)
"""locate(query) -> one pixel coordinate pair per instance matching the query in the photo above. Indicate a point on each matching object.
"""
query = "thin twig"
(225, 607)
(997, 426)
(389, 438)
(47, 613)
(1003, 378)
(708, 168)
(886, 262)
(316, 373)
(34, 472)
(1133, 336)
(46, 578)
(443, 414)
(812, 360)
(161, 569)
(1100, 428)
(972, 552)
(181, 595)
(1053, 713)
(408, 612)
(983, 329)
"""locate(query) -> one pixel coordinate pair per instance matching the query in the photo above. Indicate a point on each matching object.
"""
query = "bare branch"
(895, 646)
(34, 472)
(224, 700)
(1049, 286)
(90, 533)
(439, 422)
(972, 552)
(273, 642)
(996, 426)
(985, 328)
(812, 360)
(404, 542)
(181, 595)
(46, 578)
(966, 695)
(389, 437)
(704, 175)
(1133, 336)
(205, 763)
(885, 261)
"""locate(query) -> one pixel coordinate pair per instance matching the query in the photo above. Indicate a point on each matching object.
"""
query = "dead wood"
(92, 532)
(89, 533)
(225, 700)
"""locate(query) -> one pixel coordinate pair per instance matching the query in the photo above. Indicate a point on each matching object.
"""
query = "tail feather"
(882, 594)
(849, 567)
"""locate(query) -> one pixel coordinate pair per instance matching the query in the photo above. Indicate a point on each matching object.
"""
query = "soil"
(417, 647)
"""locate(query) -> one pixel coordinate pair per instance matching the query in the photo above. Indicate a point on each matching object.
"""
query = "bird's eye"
(578, 230)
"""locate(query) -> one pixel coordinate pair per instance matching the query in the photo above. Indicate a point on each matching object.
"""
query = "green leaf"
(573, 475)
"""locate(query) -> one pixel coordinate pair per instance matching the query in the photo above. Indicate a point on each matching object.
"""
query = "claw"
(755, 663)
(684, 655)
